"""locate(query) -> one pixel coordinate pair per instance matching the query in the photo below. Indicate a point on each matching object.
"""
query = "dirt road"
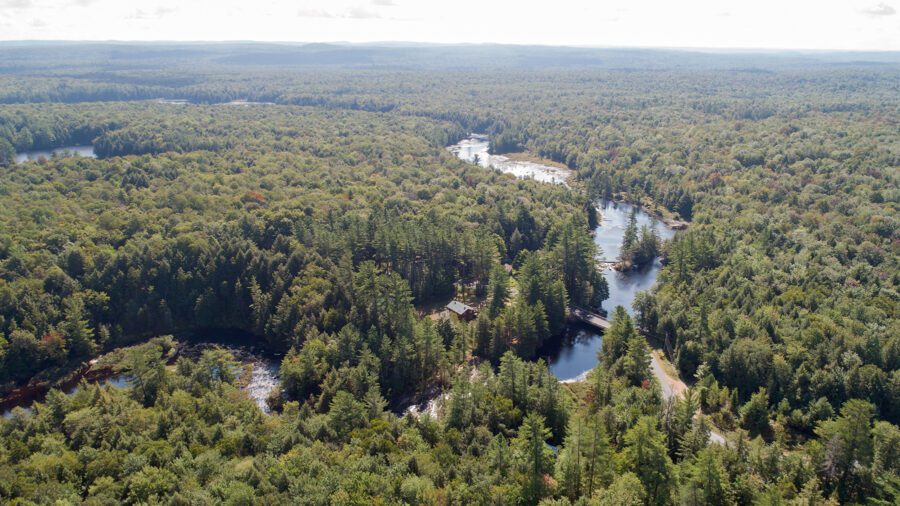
(672, 386)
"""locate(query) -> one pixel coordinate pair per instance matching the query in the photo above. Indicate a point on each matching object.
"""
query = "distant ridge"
(25, 56)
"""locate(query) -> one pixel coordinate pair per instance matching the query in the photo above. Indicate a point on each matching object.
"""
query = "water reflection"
(614, 220)
(575, 354)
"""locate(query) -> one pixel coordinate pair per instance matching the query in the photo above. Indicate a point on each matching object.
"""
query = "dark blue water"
(576, 352)
(623, 286)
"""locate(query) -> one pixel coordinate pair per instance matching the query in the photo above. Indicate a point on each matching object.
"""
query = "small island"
(640, 246)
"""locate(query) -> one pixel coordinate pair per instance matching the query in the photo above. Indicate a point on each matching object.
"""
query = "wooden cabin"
(462, 311)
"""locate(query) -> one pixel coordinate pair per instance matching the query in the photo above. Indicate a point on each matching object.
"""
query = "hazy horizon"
(870, 25)
(418, 43)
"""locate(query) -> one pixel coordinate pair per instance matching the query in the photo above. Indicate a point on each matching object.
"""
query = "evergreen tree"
(755, 414)
(645, 455)
(79, 336)
(582, 464)
(849, 449)
(629, 238)
(346, 414)
(535, 457)
(617, 337)
(706, 483)
(556, 304)
(636, 362)
(498, 288)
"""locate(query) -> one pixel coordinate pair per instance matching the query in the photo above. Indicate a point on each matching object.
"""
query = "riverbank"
(576, 354)
(258, 374)
(525, 156)
(102, 368)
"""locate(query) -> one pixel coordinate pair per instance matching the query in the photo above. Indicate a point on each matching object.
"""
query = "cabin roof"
(459, 308)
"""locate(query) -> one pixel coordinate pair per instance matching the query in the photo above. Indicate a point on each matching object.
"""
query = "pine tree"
(555, 304)
(629, 238)
(647, 457)
(498, 288)
(482, 335)
(636, 363)
(79, 336)
(536, 459)
(616, 338)
(707, 482)
(755, 414)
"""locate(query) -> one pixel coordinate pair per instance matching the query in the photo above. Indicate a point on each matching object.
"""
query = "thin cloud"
(880, 10)
(16, 4)
(154, 14)
(384, 3)
(314, 13)
(362, 13)
(351, 13)
(83, 3)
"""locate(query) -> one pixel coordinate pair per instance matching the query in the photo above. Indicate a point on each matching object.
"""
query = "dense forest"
(332, 225)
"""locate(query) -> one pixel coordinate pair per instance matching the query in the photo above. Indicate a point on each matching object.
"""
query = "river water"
(87, 151)
(576, 353)
(571, 357)
(475, 149)
(623, 286)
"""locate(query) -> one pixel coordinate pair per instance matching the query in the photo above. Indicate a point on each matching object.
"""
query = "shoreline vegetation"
(94, 370)
(524, 156)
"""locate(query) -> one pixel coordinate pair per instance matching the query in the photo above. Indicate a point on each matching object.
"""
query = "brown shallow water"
(475, 149)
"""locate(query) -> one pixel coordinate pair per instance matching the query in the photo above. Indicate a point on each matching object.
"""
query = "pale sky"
(766, 24)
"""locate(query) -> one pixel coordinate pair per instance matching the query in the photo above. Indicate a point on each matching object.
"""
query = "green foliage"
(617, 338)
(535, 458)
(848, 450)
(755, 414)
(582, 466)
(646, 456)
(330, 226)
(706, 483)
(317, 220)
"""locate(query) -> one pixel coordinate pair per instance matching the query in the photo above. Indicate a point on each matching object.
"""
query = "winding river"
(571, 357)
(576, 354)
